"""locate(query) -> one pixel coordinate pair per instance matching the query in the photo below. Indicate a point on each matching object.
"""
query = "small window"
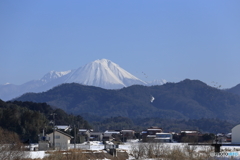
(57, 144)
(57, 137)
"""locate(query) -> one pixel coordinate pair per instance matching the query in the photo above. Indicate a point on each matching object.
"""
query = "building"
(229, 137)
(84, 135)
(236, 134)
(154, 130)
(163, 137)
(127, 134)
(96, 136)
(150, 134)
(191, 136)
(191, 132)
(62, 140)
(110, 135)
(43, 144)
(62, 127)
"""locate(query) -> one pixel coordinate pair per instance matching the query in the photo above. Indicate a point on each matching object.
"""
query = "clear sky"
(165, 39)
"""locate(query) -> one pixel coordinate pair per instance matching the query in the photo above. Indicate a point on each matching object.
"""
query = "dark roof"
(95, 133)
(64, 133)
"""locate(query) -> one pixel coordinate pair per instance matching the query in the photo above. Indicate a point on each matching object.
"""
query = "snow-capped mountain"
(54, 75)
(101, 73)
(157, 82)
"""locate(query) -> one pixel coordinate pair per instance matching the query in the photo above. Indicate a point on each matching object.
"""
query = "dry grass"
(164, 151)
(10, 146)
(73, 154)
(77, 154)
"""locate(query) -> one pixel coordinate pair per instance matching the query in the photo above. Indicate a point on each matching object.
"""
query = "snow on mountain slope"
(157, 82)
(103, 73)
(54, 75)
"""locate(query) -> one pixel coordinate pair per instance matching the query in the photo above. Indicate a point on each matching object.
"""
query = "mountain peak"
(103, 73)
(100, 73)
(102, 61)
(54, 75)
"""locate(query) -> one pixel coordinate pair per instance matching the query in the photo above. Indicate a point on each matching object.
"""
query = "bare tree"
(170, 151)
(10, 146)
(137, 150)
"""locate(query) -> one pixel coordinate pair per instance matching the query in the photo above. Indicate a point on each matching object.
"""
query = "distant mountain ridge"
(235, 89)
(52, 75)
(101, 73)
(188, 99)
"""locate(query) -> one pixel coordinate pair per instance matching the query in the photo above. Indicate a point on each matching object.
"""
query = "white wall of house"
(62, 141)
(236, 134)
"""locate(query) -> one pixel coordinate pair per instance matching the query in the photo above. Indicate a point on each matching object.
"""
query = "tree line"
(28, 119)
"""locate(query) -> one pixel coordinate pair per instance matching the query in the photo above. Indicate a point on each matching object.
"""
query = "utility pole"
(53, 114)
(74, 136)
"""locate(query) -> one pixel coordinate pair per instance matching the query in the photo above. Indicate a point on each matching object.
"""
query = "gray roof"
(64, 133)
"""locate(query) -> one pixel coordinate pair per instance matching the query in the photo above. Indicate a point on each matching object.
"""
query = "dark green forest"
(188, 99)
(235, 89)
(28, 119)
(168, 125)
(187, 105)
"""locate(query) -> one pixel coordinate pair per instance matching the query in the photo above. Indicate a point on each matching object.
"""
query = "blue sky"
(165, 39)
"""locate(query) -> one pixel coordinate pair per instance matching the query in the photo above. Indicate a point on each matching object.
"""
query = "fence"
(87, 147)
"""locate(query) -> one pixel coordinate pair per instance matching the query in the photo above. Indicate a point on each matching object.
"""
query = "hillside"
(235, 90)
(28, 119)
(188, 99)
(100, 73)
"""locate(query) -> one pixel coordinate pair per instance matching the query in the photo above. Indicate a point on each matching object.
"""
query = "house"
(190, 132)
(191, 136)
(163, 137)
(84, 131)
(43, 143)
(154, 130)
(84, 135)
(62, 127)
(96, 136)
(229, 137)
(111, 135)
(150, 134)
(221, 137)
(62, 140)
(127, 134)
(150, 138)
(236, 134)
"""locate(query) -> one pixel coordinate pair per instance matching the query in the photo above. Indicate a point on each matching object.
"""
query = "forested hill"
(235, 89)
(28, 119)
(187, 99)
